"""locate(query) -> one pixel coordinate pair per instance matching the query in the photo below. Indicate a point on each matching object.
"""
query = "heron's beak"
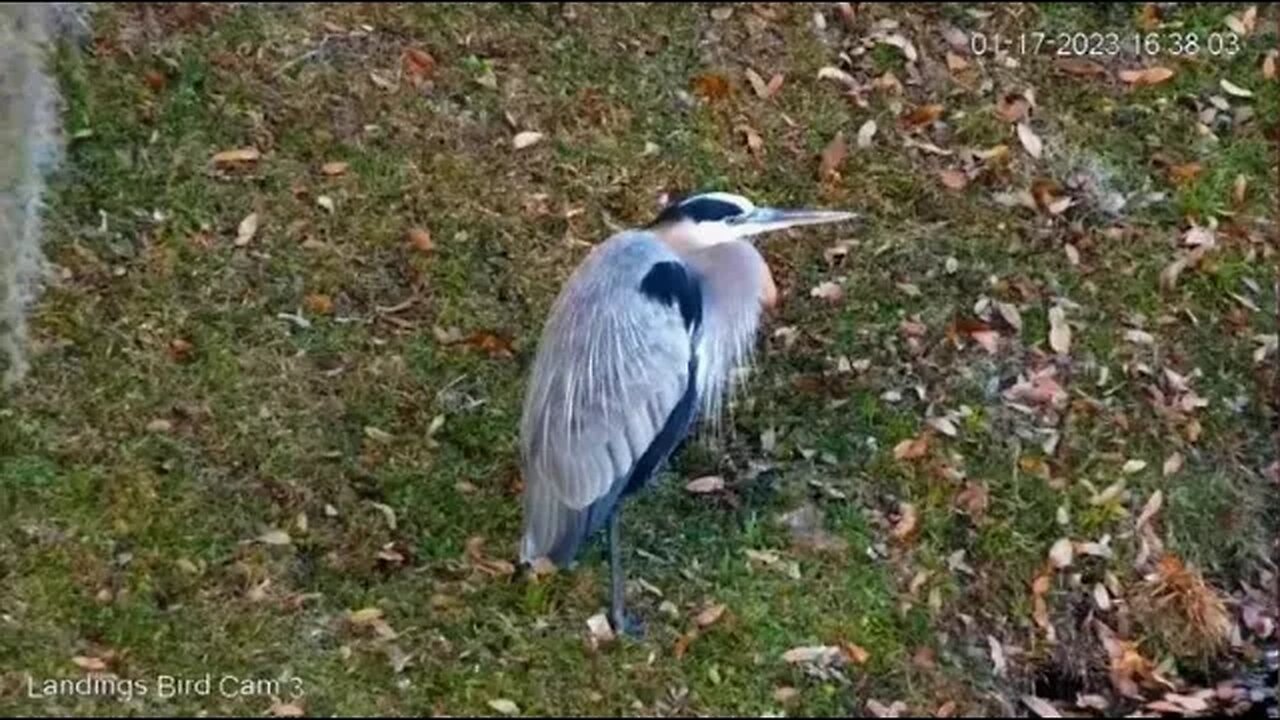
(767, 219)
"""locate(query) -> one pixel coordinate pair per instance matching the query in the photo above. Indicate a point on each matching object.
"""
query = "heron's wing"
(611, 392)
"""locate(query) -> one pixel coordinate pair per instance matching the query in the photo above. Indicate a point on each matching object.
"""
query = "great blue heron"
(642, 340)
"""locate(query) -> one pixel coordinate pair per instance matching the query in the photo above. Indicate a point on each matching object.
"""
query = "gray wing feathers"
(611, 366)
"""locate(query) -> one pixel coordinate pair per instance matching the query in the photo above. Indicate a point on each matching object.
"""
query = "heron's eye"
(705, 209)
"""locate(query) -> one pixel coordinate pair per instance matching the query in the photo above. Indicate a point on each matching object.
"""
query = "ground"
(995, 447)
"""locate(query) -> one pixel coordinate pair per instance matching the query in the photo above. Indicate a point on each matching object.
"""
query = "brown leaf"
(710, 615)
(705, 484)
(240, 155)
(866, 133)
(833, 156)
(755, 144)
(973, 499)
(155, 80)
(1269, 65)
(946, 709)
(1183, 174)
(775, 84)
(1080, 66)
(1012, 107)
(279, 709)
(1239, 189)
(1172, 464)
(525, 139)
(90, 664)
(1169, 276)
(989, 340)
(1146, 76)
(495, 345)
(818, 654)
(953, 179)
(911, 448)
(334, 168)
(921, 117)
(856, 654)
(1062, 553)
(419, 63)
(682, 643)
(318, 304)
(1148, 17)
(956, 63)
(757, 83)
(420, 240)
(180, 350)
(908, 522)
(711, 86)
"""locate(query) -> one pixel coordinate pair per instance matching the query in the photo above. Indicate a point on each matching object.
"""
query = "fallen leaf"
(944, 426)
(953, 179)
(1133, 466)
(722, 13)
(1059, 331)
(325, 202)
(710, 615)
(364, 616)
(989, 340)
(1269, 65)
(318, 304)
(879, 709)
(833, 73)
(757, 83)
(1233, 89)
(833, 156)
(1062, 553)
(1150, 508)
(711, 87)
(706, 484)
(1148, 17)
(682, 643)
(1239, 189)
(820, 654)
(856, 654)
(600, 629)
(775, 84)
(1081, 67)
(1172, 464)
(155, 80)
(504, 706)
(1012, 108)
(908, 521)
(240, 155)
(973, 499)
(247, 229)
(420, 240)
(785, 694)
(1146, 76)
(1010, 313)
(827, 290)
(1169, 276)
(275, 537)
(525, 139)
(1041, 707)
(419, 63)
(902, 43)
(1185, 173)
(866, 133)
(334, 168)
(90, 664)
(997, 656)
(496, 346)
(911, 448)
(956, 63)
(382, 80)
(1030, 141)
(180, 350)
(755, 143)
(921, 116)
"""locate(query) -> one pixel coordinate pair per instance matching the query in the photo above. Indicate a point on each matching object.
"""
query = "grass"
(382, 450)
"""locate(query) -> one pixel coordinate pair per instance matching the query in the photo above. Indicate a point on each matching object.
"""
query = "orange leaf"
(1148, 18)
(491, 343)
(921, 116)
(1183, 174)
(1012, 107)
(419, 63)
(711, 87)
(833, 156)
(1146, 76)
(1080, 66)
(911, 448)
(420, 240)
(318, 304)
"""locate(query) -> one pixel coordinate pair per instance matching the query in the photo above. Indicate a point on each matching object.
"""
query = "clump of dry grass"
(1185, 612)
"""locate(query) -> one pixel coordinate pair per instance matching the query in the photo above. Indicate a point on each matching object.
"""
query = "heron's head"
(710, 218)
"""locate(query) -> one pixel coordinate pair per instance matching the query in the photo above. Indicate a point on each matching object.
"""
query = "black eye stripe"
(701, 209)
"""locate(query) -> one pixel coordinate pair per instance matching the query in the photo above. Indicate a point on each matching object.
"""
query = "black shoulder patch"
(670, 283)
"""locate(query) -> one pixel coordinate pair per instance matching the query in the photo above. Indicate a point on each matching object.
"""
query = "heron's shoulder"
(633, 248)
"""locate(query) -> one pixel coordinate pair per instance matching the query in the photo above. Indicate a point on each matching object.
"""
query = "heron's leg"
(617, 583)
